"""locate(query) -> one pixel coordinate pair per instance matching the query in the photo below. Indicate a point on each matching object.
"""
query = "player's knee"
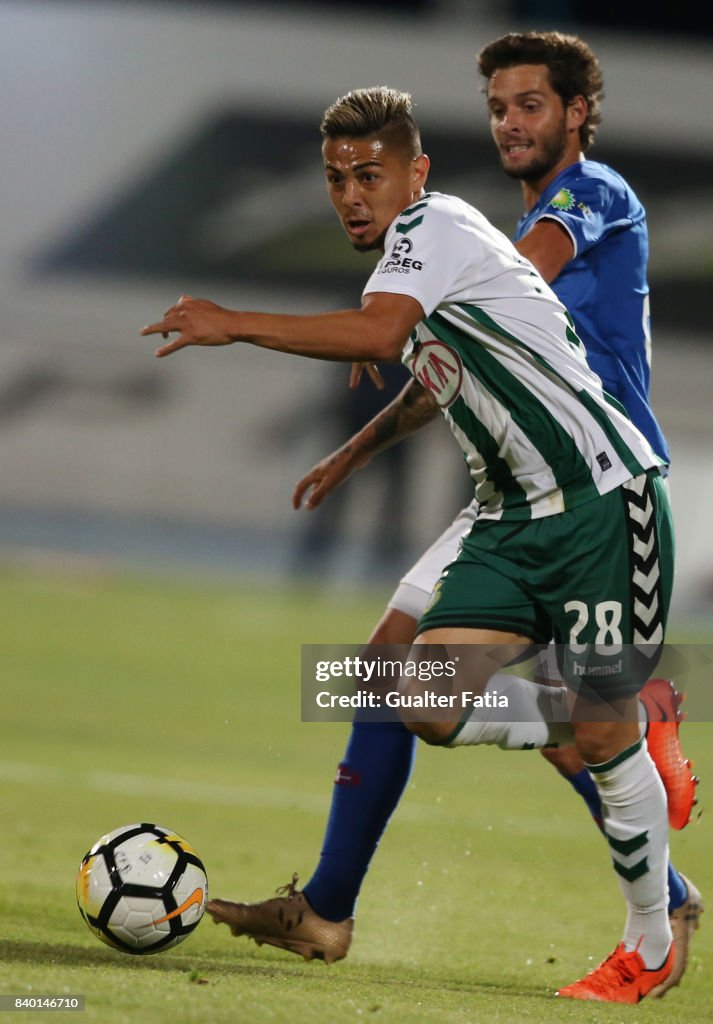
(598, 742)
(434, 733)
(566, 760)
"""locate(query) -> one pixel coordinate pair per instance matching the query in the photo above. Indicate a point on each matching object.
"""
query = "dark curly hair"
(573, 69)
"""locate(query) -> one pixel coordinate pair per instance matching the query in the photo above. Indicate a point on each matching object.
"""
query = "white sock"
(542, 708)
(532, 714)
(635, 819)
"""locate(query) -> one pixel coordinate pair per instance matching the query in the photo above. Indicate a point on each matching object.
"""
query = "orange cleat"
(663, 706)
(622, 978)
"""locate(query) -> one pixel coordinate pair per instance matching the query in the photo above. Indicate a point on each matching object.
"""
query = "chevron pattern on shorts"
(647, 611)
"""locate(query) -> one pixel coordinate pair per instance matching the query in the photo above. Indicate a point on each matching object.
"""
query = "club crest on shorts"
(435, 596)
(439, 369)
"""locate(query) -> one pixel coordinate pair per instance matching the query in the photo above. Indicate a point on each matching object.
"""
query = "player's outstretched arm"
(375, 333)
(408, 412)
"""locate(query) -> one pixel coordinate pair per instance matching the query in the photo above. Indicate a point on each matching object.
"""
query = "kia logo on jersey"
(439, 369)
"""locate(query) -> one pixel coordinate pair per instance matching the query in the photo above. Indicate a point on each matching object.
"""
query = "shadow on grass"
(251, 962)
(425, 981)
(43, 954)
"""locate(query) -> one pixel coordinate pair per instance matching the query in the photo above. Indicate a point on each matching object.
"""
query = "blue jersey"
(604, 285)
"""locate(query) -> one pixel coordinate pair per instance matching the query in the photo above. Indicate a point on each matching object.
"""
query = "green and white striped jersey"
(498, 352)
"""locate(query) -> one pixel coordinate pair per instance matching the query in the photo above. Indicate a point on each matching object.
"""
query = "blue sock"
(584, 784)
(369, 784)
(677, 889)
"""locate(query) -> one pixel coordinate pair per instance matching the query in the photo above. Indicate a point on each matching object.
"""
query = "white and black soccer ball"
(142, 888)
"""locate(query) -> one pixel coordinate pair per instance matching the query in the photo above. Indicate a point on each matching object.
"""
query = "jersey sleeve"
(428, 248)
(589, 210)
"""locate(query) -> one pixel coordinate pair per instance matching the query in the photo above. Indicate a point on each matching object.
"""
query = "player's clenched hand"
(326, 475)
(196, 321)
(372, 370)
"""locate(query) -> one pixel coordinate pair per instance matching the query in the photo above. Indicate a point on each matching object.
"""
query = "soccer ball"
(142, 888)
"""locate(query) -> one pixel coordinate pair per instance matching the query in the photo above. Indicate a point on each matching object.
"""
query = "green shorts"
(596, 579)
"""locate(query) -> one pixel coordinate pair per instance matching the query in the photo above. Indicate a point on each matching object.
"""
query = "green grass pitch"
(126, 699)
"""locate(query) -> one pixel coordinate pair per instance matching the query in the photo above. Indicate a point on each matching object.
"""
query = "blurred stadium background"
(152, 148)
(155, 148)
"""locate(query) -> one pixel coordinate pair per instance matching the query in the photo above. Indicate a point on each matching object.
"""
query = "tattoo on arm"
(409, 411)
